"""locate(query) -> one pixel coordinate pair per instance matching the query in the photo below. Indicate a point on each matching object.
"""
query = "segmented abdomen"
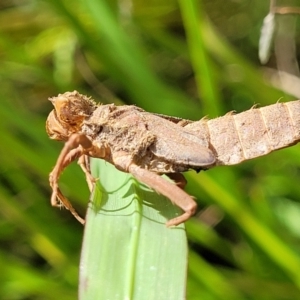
(253, 133)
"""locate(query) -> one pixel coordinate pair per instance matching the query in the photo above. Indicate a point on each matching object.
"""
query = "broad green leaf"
(128, 252)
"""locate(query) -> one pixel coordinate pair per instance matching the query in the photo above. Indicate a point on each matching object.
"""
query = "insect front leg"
(178, 196)
(84, 163)
(73, 149)
(66, 203)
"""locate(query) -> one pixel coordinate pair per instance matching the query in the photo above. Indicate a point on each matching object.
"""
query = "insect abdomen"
(255, 132)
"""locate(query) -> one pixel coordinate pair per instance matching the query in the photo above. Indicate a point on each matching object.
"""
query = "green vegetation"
(184, 58)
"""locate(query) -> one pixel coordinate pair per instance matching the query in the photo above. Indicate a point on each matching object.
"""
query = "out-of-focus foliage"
(186, 58)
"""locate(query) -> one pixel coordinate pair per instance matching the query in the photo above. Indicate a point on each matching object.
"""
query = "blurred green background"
(184, 58)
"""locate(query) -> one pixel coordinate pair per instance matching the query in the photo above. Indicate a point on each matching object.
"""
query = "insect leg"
(60, 165)
(66, 203)
(84, 163)
(178, 178)
(166, 188)
(73, 149)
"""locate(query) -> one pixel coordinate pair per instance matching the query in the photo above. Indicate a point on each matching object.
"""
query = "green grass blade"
(218, 285)
(193, 16)
(125, 61)
(276, 249)
(128, 252)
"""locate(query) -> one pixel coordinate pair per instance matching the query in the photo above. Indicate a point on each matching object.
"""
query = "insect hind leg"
(178, 178)
(178, 196)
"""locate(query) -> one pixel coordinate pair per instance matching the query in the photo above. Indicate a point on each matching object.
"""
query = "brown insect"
(148, 145)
